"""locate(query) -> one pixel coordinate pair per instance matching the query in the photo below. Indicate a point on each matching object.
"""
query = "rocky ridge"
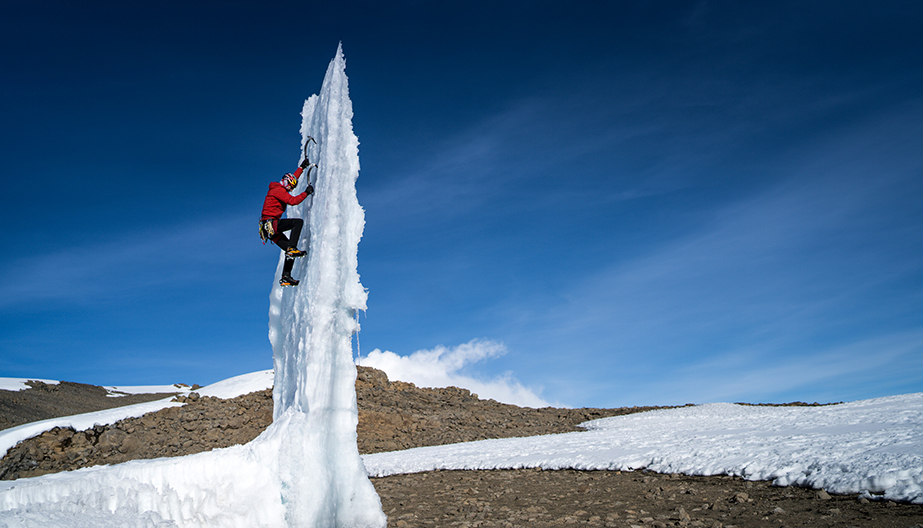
(396, 415)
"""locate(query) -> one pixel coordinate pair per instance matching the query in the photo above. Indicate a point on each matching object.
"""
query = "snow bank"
(874, 447)
(233, 487)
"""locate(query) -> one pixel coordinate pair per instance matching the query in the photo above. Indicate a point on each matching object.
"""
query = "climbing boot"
(287, 280)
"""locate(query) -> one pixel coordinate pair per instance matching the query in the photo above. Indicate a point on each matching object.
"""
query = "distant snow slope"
(229, 388)
(17, 384)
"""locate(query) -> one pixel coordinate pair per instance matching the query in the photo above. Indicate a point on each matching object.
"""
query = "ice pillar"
(324, 482)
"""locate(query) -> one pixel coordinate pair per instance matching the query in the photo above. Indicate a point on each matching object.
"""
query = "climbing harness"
(266, 230)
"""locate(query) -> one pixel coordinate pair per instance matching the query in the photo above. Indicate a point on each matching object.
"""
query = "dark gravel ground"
(395, 415)
(512, 498)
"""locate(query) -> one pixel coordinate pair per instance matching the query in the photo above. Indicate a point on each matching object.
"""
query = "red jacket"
(277, 198)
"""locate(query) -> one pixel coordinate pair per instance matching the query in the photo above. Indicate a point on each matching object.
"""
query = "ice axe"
(306, 163)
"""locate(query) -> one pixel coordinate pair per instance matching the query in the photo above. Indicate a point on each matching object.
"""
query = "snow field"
(872, 447)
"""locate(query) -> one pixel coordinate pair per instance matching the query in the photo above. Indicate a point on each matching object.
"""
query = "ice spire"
(324, 482)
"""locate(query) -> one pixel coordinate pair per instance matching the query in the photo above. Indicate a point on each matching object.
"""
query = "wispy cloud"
(788, 289)
(460, 172)
(838, 373)
(443, 367)
(166, 257)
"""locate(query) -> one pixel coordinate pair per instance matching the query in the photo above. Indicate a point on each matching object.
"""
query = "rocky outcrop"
(397, 415)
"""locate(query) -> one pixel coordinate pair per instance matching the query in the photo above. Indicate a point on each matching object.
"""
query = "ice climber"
(272, 225)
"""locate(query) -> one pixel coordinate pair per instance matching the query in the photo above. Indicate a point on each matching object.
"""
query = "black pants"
(288, 224)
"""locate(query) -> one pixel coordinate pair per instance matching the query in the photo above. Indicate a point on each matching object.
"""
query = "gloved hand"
(309, 189)
(305, 163)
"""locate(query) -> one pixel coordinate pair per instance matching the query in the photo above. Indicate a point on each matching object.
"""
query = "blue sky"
(604, 203)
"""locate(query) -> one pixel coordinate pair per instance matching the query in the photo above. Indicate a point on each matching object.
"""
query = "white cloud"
(441, 367)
